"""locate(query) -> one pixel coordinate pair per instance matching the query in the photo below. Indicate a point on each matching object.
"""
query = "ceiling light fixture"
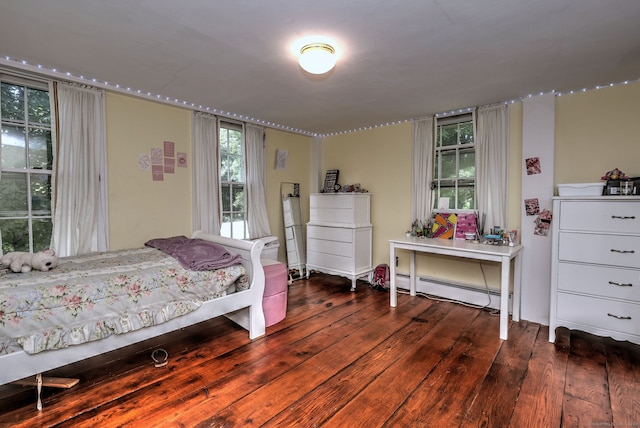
(317, 58)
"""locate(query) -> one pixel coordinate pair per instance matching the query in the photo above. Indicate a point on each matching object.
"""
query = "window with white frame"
(454, 172)
(26, 164)
(232, 181)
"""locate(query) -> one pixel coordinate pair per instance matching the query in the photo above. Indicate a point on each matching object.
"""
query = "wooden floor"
(343, 359)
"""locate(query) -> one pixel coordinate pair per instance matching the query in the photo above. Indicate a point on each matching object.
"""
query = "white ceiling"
(399, 59)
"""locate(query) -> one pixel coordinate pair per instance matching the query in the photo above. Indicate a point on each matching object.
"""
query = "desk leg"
(393, 291)
(504, 298)
(517, 284)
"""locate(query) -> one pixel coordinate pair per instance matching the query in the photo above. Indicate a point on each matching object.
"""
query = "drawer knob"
(620, 285)
(619, 317)
(613, 250)
(624, 217)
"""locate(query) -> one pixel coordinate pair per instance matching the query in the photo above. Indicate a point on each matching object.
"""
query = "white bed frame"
(243, 307)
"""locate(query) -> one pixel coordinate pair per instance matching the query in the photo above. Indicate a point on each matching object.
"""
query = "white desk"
(460, 248)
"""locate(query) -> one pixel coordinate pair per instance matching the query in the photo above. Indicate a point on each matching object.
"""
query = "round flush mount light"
(317, 57)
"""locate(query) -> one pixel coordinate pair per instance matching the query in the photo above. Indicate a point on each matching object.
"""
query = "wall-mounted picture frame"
(330, 180)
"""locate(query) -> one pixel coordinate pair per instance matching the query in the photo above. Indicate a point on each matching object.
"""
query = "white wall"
(538, 140)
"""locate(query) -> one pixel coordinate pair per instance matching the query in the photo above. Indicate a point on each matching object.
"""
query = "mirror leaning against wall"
(294, 229)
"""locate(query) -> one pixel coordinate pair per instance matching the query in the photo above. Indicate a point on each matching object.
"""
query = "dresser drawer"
(339, 234)
(344, 249)
(616, 250)
(351, 209)
(597, 216)
(334, 262)
(606, 314)
(617, 283)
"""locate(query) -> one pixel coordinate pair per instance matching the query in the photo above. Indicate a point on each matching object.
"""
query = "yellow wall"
(140, 208)
(378, 159)
(597, 131)
(297, 171)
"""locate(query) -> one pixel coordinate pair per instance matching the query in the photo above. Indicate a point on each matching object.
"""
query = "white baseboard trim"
(458, 292)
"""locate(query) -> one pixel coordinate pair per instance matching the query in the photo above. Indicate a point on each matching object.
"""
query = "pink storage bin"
(274, 300)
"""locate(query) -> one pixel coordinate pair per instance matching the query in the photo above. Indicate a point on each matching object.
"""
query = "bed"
(238, 296)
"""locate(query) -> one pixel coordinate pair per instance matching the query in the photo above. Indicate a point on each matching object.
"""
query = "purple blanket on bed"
(196, 254)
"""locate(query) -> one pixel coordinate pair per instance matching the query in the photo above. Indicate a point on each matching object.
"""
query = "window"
(232, 181)
(26, 165)
(455, 163)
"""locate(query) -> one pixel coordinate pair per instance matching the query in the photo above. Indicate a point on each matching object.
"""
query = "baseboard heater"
(459, 292)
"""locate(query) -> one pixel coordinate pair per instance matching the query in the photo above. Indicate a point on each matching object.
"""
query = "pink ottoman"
(274, 301)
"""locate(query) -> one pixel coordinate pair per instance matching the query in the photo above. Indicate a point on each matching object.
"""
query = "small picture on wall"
(533, 166)
(532, 206)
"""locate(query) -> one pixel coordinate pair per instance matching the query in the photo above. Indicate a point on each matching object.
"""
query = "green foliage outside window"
(26, 168)
(455, 163)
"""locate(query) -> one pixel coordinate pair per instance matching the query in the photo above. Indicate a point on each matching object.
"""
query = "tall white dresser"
(595, 269)
(339, 235)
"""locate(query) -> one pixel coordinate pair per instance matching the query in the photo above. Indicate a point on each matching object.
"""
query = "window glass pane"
(40, 194)
(39, 108)
(449, 134)
(448, 159)
(467, 164)
(42, 229)
(465, 198)
(238, 198)
(12, 98)
(13, 195)
(466, 133)
(40, 149)
(238, 228)
(446, 192)
(13, 147)
(15, 235)
(226, 197)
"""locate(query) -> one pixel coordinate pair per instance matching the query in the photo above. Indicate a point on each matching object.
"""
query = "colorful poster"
(444, 225)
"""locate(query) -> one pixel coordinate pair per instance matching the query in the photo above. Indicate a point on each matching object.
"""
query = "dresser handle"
(620, 285)
(624, 217)
(619, 317)
(613, 250)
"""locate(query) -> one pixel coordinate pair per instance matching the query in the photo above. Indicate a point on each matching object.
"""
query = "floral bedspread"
(94, 296)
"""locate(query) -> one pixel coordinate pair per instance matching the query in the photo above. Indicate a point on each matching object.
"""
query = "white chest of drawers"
(339, 235)
(595, 269)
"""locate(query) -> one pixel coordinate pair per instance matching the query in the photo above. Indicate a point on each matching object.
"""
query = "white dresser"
(339, 235)
(595, 268)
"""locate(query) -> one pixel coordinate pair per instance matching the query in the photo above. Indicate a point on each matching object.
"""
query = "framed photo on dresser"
(330, 181)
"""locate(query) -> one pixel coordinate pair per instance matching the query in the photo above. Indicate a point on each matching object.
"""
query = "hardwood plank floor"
(347, 359)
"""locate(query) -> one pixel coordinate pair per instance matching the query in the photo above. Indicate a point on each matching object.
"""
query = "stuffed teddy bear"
(20, 261)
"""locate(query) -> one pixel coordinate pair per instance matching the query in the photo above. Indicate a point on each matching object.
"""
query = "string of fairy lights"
(53, 72)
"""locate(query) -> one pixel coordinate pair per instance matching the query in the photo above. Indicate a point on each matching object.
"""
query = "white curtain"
(206, 176)
(258, 218)
(80, 221)
(492, 154)
(422, 169)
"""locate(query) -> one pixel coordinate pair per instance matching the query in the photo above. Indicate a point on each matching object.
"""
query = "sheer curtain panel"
(422, 169)
(257, 216)
(492, 154)
(80, 221)
(206, 175)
